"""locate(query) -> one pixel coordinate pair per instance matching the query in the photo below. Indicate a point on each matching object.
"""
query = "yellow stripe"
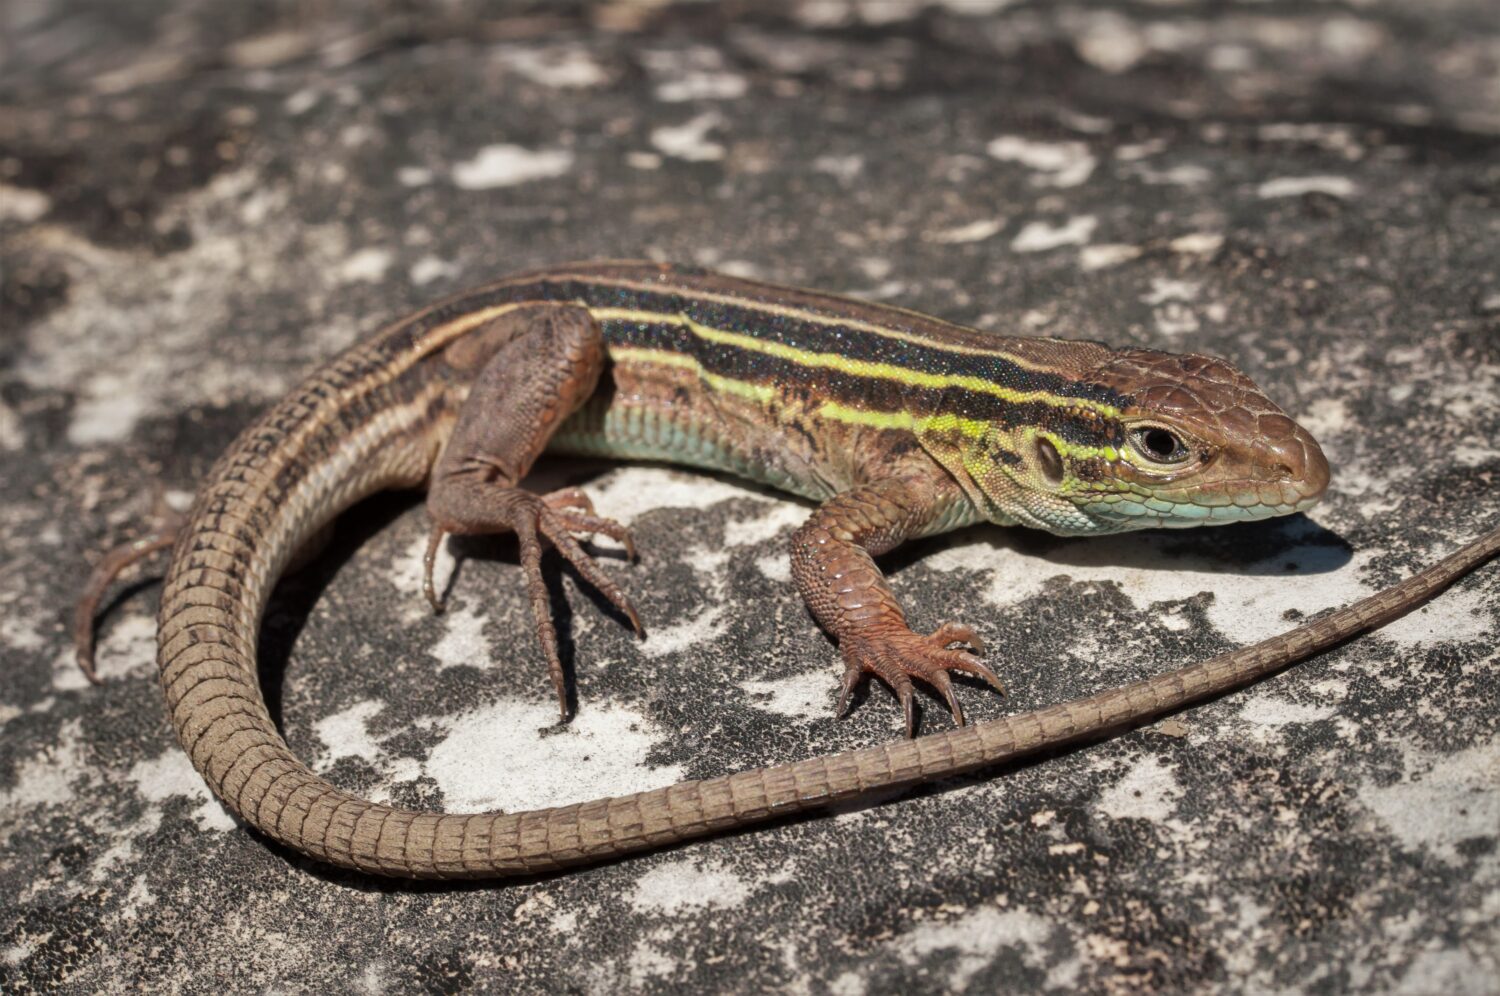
(440, 335)
(667, 358)
(1029, 433)
(843, 364)
(816, 317)
(831, 410)
(836, 412)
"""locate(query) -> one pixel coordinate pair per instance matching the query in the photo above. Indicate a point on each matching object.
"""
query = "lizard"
(898, 425)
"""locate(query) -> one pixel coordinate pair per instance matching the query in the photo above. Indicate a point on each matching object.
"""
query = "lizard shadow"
(297, 593)
(1287, 545)
(1291, 545)
(1251, 548)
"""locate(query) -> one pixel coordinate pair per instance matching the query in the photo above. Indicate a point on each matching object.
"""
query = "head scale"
(1164, 440)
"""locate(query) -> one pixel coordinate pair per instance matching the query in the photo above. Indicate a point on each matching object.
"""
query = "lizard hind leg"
(546, 368)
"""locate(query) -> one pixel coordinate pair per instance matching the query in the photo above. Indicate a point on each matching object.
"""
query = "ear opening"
(1049, 461)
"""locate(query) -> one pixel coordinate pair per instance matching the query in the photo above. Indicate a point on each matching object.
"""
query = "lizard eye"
(1159, 445)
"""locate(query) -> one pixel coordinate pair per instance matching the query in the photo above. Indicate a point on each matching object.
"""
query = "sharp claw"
(565, 544)
(908, 707)
(944, 685)
(950, 633)
(850, 683)
(534, 518)
(570, 498)
(434, 541)
(984, 671)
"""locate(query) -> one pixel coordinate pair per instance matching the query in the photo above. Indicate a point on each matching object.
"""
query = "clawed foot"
(555, 517)
(897, 655)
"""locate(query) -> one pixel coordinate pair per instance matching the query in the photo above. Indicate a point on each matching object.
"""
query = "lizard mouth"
(1131, 511)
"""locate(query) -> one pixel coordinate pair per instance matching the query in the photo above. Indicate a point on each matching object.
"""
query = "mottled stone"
(199, 201)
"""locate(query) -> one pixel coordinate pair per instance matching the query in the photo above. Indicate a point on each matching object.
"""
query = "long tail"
(321, 450)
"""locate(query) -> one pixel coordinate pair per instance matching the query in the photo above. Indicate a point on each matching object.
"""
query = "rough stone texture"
(199, 201)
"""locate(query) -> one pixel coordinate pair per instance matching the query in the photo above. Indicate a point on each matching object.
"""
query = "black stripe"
(872, 394)
(812, 384)
(832, 337)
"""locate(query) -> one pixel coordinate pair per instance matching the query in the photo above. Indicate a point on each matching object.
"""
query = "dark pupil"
(1160, 443)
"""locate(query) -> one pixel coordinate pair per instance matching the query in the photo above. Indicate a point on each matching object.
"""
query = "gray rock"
(200, 201)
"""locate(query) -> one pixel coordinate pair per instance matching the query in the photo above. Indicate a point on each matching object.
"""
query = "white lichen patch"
(689, 140)
(1169, 289)
(777, 520)
(1148, 791)
(1296, 186)
(1110, 41)
(128, 648)
(1472, 454)
(647, 962)
(776, 567)
(46, 778)
(430, 268)
(414, 176)
(688, 885)
(1323, 417)
(842, 168)
(1106, 255)
(346, 734)
(107, 412)
(12, 432)
(1040, 236)
(1442, 800)
(506, 165)
(368, 265)
(974, 231)
(706, 626)
(1448, 970)
(511, 755)
(22, 205)
(172, 774)
(1268, 710)
(1056, 164)
(798, 696)
(1460, 615)
(462, 643)
(1180, 175)
(128, 342)
(21, 634)
(967, 943)
(695, 73)
(563, 67)
(1197, 243)
(631, 491)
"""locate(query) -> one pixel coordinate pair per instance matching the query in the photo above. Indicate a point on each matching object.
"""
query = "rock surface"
(199, 201)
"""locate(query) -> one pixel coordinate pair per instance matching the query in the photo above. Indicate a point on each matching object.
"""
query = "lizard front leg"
(541, 373)
(834, 568)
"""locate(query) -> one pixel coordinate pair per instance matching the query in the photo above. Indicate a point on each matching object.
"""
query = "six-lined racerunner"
(898, 425)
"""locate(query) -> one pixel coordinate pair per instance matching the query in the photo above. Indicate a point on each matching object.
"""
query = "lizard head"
(1180, 440)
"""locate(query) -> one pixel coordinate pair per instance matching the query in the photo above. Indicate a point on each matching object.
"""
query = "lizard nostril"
(1284, 471)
